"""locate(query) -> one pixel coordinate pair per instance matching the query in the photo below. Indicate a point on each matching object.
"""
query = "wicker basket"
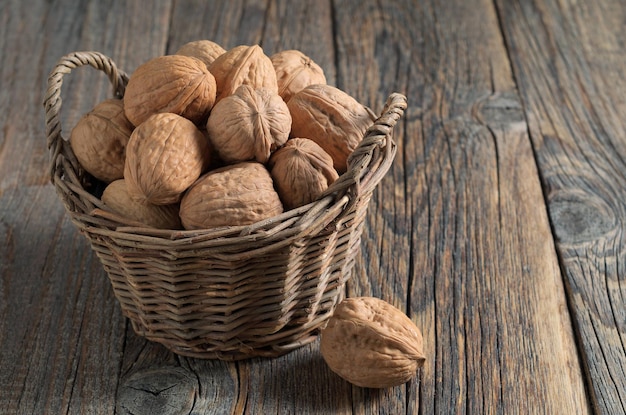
(227, 293)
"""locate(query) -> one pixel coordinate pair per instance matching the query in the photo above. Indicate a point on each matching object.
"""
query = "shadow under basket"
(225, 293)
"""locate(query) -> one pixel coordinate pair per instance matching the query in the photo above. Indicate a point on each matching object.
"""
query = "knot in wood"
(164, 390)
(501, 110)
(579, 218)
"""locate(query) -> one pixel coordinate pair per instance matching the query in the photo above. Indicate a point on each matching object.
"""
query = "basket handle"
(371, 159)
(52, 100)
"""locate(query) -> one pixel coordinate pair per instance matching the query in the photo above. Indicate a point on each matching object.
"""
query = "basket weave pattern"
(227, 293)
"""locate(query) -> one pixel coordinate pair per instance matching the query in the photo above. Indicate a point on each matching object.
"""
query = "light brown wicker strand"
(53, 100)
(374, 140)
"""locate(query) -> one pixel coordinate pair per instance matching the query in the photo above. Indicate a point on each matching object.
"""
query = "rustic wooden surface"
(499, 229)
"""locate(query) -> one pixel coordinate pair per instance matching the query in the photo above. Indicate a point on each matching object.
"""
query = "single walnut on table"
(371, 343)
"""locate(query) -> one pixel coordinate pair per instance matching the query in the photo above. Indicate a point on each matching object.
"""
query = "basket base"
(241, 352)
(218, 342)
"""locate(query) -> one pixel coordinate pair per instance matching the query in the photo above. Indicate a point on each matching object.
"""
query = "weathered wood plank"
(276, 26)
(61, 331)
(227, 23)
(60, 322)
(457, 234)
(374, 59)
(459, 231)
(566, 57)
(47, 31)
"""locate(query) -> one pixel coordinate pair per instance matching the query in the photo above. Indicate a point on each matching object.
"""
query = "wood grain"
(564, 56)
(61, 331)
(60, 321)
(508, 181)
(480, 276)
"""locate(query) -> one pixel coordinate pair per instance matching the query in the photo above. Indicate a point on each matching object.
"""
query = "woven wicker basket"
(227, 293)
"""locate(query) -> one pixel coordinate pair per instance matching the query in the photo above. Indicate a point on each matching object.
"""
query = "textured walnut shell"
(177, 84)
(238, 194)
(137, 208)
(99, 140)
(371, 343)
(243, 65)
(205, 50)
(301, 171)
(164, 156)
(331, 118)
(249, 125)
(295, 71)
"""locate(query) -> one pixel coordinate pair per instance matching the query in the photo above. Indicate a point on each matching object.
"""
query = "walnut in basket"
(174, 83)
(137, 208)
(164, 156)
(295, 71)
(99, 140)
(249, 125)
(243, 65)
(238, 194)
(301, 171)
(331, 118)
(205, 50)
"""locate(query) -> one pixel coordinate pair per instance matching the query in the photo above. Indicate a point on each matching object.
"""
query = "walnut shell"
(205, 50)
(238, 194)
(243, 65)
(295, 71)
(371, 343)
(249, 125)
(177, 84)
(331, 118)
(164, 156)
(135, 207)
(99, 140)
(301, 171)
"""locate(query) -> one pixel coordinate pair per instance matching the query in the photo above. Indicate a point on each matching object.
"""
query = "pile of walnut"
(208, 137)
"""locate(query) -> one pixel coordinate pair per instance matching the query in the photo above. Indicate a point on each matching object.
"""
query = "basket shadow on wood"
(227, 293)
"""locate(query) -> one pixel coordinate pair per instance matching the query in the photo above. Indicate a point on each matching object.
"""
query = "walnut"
(135, 207)
(331, 118)
(371, 343)
(177, 84)
(295, 71)
(243, 65)
(205, 50)
(99, 140)
(238, 194)
(301, 171)
(249, 125)
(164, 156)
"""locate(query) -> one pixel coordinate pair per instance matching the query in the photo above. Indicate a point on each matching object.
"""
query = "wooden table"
(499, 229)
